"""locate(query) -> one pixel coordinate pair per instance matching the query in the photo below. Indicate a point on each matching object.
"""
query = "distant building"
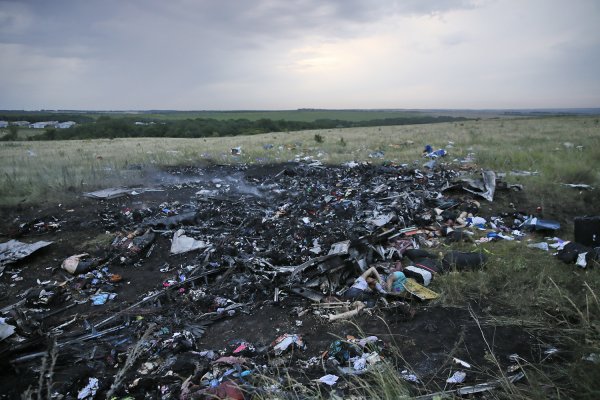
(65, 125)
(20, 123)
(43, 124)
(3, 124)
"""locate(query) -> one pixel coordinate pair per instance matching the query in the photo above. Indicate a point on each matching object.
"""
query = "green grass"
(254, 115)
(30, 171)
(26, 133)
(382, 381)
(529, 289)
(289, 115)
(519, 286)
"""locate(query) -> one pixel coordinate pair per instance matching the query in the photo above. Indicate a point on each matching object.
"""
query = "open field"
(309, 115)
(303, 115)
(522, 301)
(289, 115)
(25, 133)
(33, 171)
(200, 124)
(251, 115)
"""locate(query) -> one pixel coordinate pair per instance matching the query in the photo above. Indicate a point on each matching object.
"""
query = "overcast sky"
(287, 54)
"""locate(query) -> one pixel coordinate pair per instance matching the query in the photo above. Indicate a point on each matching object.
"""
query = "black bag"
(462, 260)
(587, 231)
(430, 264)
(458, 236)
(416, 254)
(592, 258)
(570, 252)
(449, 214)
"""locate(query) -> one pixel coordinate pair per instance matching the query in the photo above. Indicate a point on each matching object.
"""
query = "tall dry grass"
(32, 171)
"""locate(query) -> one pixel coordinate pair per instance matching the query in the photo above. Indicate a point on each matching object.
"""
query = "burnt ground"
(257, 220)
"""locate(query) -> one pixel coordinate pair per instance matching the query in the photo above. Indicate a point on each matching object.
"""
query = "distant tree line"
(36, 116)
(110, 127)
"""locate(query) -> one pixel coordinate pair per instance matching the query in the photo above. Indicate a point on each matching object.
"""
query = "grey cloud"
(132, 28)
(335, 18)
(14, 18)
(70, 19)
(454, 39)
(211, 53)
(576, 66)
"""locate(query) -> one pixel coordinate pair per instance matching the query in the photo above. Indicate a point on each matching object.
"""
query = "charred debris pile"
(225, 242)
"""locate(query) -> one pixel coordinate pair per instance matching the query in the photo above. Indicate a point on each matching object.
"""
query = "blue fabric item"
(99, 299)
(541, 224)
(399, 279)
(353, 293)
(434, 154)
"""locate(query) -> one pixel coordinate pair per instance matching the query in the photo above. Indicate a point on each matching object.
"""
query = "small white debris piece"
(457, 377)
(339, 248)
(461, 362)
(409, 377)
(592, 357)
(89, 391)
(6, 330)
(581, 261)
(183, 244)
(329, 379)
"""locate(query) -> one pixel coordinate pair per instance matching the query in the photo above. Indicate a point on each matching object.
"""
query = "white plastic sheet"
(329, 379)
(183, 244)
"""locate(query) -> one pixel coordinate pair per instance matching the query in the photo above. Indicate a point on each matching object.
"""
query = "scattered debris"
(407, 376)
(183, 244)
(113, 193)
(540, 245)
(457, 377)
(536, 224)
(13, 250)
(578, 186)
(592, 357)
(523, 173)
(486, 187)
(89, 391)
(6, 330)
(236, 151)
(271, 250)
(75, 266)
(421, 292)
(467, 390)
(287, 341)
(461, 362)
(329, 379)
